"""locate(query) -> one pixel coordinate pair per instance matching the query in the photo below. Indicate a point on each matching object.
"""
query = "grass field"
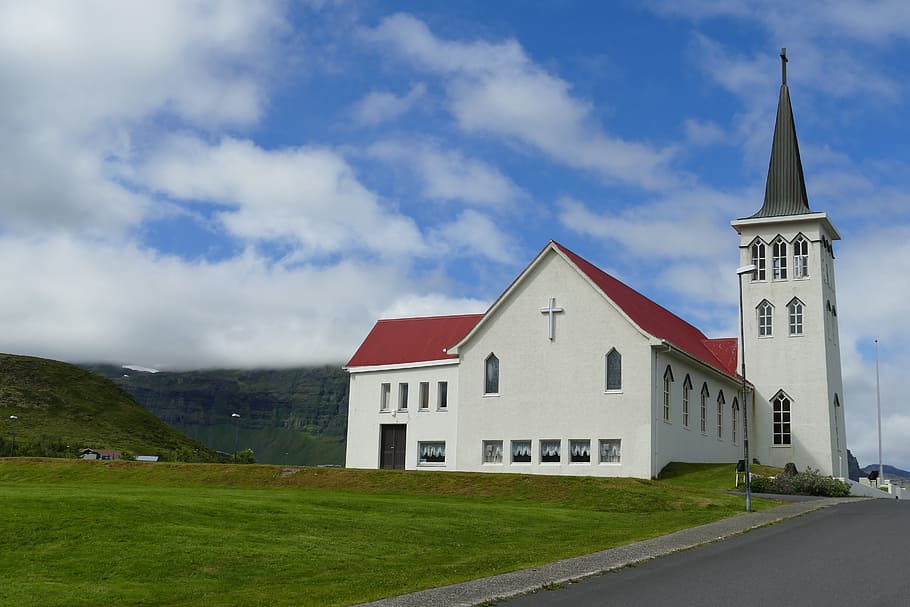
(76, 533)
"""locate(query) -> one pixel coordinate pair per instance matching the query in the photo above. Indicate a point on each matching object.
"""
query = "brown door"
(392, 437)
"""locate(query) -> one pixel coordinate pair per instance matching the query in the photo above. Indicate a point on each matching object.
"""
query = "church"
(570, 371)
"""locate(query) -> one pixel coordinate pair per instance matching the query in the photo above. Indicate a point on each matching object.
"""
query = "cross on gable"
(550, 310)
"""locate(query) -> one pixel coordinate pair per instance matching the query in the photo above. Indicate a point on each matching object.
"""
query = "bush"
(809, 482)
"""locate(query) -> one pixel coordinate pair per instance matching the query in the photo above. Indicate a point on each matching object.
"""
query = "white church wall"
(555, 389)
(677, 441)
(432, 424)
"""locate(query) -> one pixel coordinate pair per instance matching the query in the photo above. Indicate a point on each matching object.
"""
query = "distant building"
(146, 458)
(102, 454)
(570, 371)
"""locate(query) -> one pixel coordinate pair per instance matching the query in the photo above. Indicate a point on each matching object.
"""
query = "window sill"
(491, 395)
(668, 422)
(442, 409)
(797, 335)
(613, 391)
(491, 464)
(580, 463)
(781, 446)
(431, 464)
(611, 463)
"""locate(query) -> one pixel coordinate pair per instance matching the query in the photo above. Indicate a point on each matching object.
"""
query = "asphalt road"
(855, 553)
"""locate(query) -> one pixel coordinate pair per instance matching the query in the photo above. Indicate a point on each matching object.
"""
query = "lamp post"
(12, 448)
(742, 347)
(236, 417)
(878, 407)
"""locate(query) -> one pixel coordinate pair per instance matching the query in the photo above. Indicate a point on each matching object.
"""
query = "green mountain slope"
(60, 405)
(287, 416)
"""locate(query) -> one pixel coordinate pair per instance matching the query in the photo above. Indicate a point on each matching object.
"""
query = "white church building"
(570, 371)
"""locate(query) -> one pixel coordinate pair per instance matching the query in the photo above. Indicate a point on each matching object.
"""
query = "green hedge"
(809, 482)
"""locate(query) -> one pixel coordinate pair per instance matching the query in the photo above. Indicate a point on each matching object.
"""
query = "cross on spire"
(551, 310)
(783, 65)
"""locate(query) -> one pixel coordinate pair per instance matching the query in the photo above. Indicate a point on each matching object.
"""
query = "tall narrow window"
(781, 421)
(765, 314)
(795, 313)
(734, 417)
(423, 395)
(614, 370)
(687, 388)
(758, 260)
(779, 251)
(800, 257)
(836, 426)
(491, 375)
(442, 395)
(720, 414)
(704, 408)
(403, 396)
(385, 395)
(668, 379)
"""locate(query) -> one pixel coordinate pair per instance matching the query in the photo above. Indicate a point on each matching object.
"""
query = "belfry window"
(491, 375)
(614, 371)
(758, 260)
(781, 421)
(800, 258)
(779, 252)
(795, 314)
(765, 315)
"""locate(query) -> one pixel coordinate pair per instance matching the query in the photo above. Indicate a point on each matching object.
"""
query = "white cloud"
(703, 133)
(495, 89)
(307, 195)
(446, 174)
(81, 301)
(474, 233)
(382, 106)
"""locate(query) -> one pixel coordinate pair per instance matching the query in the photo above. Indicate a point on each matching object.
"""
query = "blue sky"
(198, 184)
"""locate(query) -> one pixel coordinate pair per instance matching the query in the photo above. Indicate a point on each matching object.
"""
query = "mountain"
(62, 408)
(287, 416)
(892, 472)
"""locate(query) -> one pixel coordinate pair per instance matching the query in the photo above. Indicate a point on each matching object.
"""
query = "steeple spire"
(785, 190)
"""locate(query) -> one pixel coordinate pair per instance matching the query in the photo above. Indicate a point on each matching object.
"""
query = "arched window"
(734, 417)
(758, 260)
(779, 252)
(781, 422)
(614, 370)
(795, 314)
(491, 375)
(765, 316)
(836, 425)
(720, 414)
(704, 408)
(800, 257)
(687, 388)
(668, 379)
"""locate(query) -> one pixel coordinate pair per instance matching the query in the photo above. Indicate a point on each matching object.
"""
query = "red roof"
(726, 350)
(655, 319)
(412, 340)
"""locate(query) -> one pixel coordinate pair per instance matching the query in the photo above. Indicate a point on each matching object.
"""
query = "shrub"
(809, 482)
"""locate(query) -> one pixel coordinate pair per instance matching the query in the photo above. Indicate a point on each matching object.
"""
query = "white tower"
(790, 311)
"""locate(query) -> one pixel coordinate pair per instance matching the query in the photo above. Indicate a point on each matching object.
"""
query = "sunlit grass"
(89, 533)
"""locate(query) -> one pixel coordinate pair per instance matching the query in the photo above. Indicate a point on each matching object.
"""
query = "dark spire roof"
(785, 190)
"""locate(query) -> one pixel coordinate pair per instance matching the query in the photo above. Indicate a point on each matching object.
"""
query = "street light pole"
(742, 347)
(236, 417)
(878, 406)
(12, 448)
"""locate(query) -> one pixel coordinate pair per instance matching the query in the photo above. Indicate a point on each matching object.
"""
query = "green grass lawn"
(78, 533)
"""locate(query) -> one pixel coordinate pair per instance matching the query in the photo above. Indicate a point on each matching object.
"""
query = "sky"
(252, 184)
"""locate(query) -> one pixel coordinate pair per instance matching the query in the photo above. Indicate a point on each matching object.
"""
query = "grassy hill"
(287, 416)
(62, 408)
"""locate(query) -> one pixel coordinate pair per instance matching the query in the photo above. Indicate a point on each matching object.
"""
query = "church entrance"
(392, 446)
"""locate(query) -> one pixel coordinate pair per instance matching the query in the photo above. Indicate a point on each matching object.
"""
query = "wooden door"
(392, 446)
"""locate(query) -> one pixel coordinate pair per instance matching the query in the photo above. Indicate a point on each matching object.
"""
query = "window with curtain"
(492, 451)
(521, 452)
(580, 451)
(610, 450)
(432, 452)
(550, 451)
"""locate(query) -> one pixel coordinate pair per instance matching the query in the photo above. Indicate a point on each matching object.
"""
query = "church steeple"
(785, 190)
